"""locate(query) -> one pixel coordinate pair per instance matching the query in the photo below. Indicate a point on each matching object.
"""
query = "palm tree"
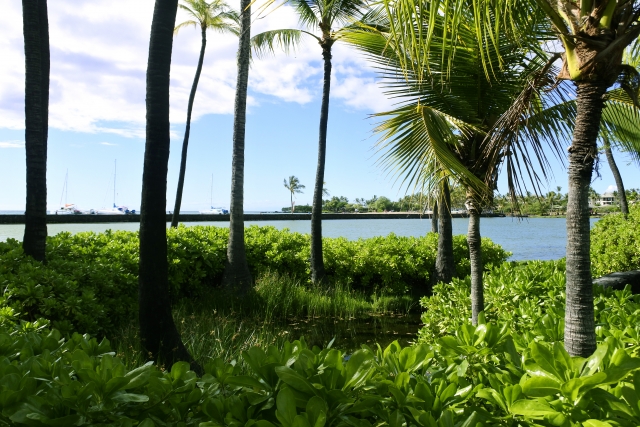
(216, 15)
(593, 35)
(36, 107)
(445, 127)
(294, 186)
(236, 272)
(320, 15)
(620, 127)
(158, 333)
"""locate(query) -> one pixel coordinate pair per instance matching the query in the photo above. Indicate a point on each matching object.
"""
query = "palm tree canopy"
(334, 19)
(592, 32)
(215, 15)
(293, 185)
(447, 120)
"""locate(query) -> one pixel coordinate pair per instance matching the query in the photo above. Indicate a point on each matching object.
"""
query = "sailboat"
(67, 208)
(115, 210)
(213, 211)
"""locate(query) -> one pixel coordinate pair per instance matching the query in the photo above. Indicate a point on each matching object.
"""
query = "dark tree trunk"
(185, 143)
(36, 108)
(475, 257)
(434, 218)
(579, 332)
(624, 208)
(236, 272)
(317, 260)
(158, 333)
(445, 266)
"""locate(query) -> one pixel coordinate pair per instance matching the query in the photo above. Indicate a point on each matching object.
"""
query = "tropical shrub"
(479, 376)
(90, 281)
(615, 243)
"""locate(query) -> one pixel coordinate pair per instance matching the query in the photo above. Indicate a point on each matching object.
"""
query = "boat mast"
(64, 188)
(211, 201)
(115, 170)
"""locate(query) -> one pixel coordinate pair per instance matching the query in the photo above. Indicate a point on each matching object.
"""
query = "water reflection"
(351, 333)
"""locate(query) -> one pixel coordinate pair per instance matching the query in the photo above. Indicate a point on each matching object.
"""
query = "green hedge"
(90, 281)
(615, 243)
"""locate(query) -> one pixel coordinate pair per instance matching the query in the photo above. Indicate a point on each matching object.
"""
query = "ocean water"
(526, 238)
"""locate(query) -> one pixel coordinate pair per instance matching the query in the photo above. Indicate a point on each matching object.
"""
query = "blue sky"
(99, 51)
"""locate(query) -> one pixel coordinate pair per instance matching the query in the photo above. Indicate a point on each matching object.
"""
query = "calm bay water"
(527, 238)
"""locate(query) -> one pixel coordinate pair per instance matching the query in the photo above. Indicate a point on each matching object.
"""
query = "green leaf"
(130, 397)
(532, 408)
(317, 410)
(540, 387)
(247, 381)
(596, 423)
(543, 357)
(286, 407)
(295, 380)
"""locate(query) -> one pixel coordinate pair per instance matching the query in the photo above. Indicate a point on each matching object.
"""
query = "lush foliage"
(90, 281)
(615, 243)
(511, 372)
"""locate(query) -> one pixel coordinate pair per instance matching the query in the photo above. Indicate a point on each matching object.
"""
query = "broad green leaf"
(295, 380)
(130, 397)
(532, 408)
(247, 381)
(286, 407)
(540, 387)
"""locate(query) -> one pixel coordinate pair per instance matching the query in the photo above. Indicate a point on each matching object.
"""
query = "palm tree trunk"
(317, 261)
(624, 208)
(475, 257)
(434, 218)
(185, 143)
(291, 203)
(444, 259)
(36, 108)
(579, 332)
(158, 333)
(236, 273)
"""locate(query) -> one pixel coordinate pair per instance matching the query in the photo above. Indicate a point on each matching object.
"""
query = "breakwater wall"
(93, 219)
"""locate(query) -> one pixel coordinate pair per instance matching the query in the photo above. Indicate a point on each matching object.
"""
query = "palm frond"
(267, 42)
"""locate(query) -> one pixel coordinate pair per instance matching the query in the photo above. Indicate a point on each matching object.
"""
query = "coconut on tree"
(327, 22)
(295, 187)
(593, 35)
(217, 16)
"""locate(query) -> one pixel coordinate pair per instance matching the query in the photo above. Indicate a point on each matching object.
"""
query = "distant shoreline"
(91, 219)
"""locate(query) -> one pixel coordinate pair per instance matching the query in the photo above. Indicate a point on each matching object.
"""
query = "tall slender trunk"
(292, 203)
(434, 218)
(185, 143)
(624, 208)
(158, 333)
(317, 261)
(236, 272)
(475, 257)
(579, 332)
(36, 108)
(445, 266)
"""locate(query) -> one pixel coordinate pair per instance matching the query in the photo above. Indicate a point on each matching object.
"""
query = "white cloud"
(111, 144)
(611, 189)
(99, 58)
(11, 144)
